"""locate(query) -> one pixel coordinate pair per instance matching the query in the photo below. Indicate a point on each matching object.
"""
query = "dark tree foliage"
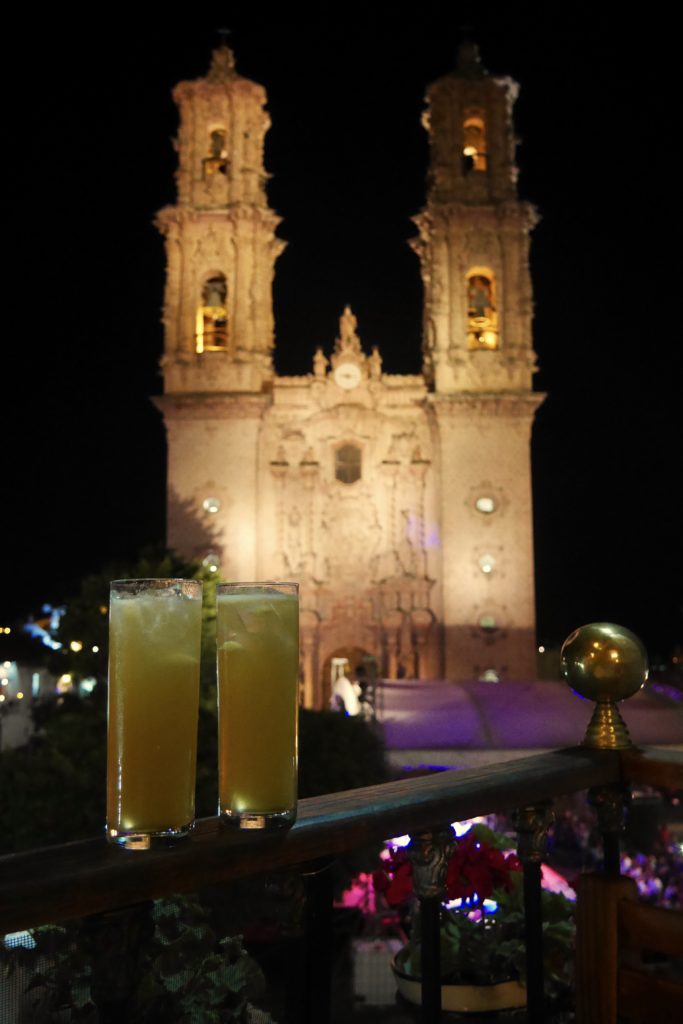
(87, 614)
(337, 752)
(53, 789)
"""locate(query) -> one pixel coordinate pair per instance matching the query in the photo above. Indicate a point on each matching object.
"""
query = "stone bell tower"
(218, 317)
(478, 361)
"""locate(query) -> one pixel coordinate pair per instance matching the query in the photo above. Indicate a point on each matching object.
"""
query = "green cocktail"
(154, 641)
(258, 671)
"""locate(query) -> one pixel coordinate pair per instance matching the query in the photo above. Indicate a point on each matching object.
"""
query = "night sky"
(88, 122)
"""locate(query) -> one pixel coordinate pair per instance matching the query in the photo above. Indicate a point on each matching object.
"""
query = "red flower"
(513, 863)
(396, 882)
(474, 869)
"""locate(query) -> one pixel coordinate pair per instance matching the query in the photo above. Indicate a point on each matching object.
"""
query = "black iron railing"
(82, 878)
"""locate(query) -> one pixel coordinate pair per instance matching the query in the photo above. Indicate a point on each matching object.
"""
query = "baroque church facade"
(401, 503)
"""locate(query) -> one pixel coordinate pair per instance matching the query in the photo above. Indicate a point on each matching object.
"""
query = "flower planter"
(481, 929)
(462, 998)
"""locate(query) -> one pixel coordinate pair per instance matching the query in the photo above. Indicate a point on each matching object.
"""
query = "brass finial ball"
(604, 662)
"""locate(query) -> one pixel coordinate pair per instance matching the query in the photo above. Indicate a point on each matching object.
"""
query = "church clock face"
(347, 376)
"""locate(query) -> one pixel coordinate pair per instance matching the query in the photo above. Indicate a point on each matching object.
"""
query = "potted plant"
(160, 961)
(482, 926)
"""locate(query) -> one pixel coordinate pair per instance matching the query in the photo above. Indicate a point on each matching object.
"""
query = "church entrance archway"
(356, 657)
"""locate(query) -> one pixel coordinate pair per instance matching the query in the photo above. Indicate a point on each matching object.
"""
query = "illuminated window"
(347, 464)
(216, 160)
(211, 505)
(485, 504)
(212, 315)
(482, 311)
(474, 143)
(487, 564)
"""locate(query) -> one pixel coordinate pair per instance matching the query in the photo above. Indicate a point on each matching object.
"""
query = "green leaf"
(496, 840)
(81, 997)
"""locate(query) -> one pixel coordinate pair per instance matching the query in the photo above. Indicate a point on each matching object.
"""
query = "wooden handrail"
(611, 920)
(75, 879)
(656, 929)
(653, 767)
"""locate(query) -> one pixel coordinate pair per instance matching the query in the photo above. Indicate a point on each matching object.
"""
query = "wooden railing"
(87, 877)
(83, 878)
(617, 934)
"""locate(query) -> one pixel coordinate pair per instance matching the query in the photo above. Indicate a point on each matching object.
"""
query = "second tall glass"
(258, 671)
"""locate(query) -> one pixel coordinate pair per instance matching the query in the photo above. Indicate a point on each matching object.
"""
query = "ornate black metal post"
(611, 804)
(532, 825)
(112, 941)
(429, 852)
(319, 943)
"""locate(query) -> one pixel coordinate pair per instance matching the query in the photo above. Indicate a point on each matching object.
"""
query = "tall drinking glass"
(154, 642)
(258, 671)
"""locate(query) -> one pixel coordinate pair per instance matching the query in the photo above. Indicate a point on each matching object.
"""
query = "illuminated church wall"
(401, 503)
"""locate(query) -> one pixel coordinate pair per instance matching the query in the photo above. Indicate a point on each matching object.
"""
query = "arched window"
(215, 162)
(474, 142)
(212, 315)
(482, 312)
(347, 464)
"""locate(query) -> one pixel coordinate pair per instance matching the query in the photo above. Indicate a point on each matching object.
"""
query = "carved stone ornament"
(320, 363)
(532, 824)
(348, 334)
(468, 61)
(375, 364)
(430, 852)
(222, 65)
